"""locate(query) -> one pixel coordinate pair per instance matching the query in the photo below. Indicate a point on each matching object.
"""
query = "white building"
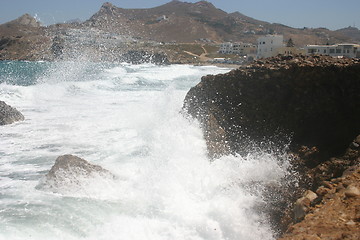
(161, 18)
(240, 48)
(226, 48)
(267, 45)
(337, 50)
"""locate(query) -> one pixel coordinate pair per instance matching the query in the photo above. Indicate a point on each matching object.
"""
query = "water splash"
(125, 118)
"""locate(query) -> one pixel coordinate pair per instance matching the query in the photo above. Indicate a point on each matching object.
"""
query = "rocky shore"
(306, 106)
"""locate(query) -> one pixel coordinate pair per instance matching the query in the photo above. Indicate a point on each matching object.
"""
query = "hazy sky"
(332, 14)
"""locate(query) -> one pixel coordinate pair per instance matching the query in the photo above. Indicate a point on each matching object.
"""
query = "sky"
(331, 14)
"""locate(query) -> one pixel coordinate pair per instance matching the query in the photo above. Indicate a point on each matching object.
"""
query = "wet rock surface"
(8, 114)
(310, 104)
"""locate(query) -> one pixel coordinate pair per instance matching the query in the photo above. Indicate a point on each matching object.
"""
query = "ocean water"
(127, 119)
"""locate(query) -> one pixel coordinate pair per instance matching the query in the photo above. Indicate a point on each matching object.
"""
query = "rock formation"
(315, 101)
(71, 172)
(310, 104)
(9, 114)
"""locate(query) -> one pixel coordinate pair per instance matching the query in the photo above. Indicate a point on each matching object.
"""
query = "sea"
(129, 120)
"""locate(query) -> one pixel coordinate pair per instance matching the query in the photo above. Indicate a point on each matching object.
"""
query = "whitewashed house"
(337, 50)
(267, 46)
(240, 48)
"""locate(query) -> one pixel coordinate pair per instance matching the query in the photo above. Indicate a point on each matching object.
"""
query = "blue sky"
(332, 14)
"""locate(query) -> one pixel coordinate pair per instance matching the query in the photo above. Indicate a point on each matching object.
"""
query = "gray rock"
(9, 114)
(72, 172)
(302, 205)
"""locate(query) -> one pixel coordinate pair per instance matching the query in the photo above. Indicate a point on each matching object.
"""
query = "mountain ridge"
(202, 20)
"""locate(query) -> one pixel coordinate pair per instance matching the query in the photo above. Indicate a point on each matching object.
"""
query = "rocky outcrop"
(9, 114)
(71, 172)
(314, 101)
(309, 104)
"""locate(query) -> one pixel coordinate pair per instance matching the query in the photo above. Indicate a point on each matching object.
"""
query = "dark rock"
(314, 101)
(71, 171)
(9, 114)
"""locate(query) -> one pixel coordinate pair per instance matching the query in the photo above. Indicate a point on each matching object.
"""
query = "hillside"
(351, 32)
(188, 22)
(167, 29)
(23, 39)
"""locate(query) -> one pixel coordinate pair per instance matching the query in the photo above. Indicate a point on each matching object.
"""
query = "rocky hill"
(24, 39)
(189, 22)
(351, 32)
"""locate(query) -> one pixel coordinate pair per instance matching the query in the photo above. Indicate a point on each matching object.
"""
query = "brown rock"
(357, 213)
(321, 191)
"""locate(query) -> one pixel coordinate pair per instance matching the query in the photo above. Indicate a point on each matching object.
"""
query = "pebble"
(352, 191)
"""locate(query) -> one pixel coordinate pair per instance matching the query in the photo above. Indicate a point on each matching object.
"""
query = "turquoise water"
(125, 118)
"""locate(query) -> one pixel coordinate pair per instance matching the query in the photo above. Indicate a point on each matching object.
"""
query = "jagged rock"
(9, 114)
(71, 172)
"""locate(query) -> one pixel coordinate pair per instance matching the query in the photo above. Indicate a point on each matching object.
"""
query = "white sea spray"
(127, 119)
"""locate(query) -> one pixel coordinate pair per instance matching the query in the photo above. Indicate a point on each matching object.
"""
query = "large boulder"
(71, 173)
(313, 101)
(9, 114)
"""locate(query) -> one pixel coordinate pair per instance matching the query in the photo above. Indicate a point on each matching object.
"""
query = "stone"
(72, 171)
(301, 208)
(302, 205)
(352, 191)
(357, 213)
(9, 115)
(322, 191)
(310, 195)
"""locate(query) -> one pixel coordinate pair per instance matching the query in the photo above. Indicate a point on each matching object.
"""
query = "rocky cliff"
(313, 101)
(309, 104)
